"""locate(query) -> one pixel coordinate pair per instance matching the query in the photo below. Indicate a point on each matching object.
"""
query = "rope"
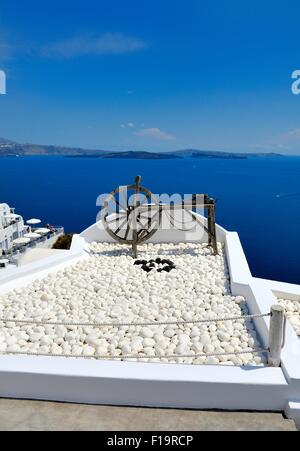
(138, 356)
(124, 324)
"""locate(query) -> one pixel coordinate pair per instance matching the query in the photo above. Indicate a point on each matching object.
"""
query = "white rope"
(124, 324)
(138, 356)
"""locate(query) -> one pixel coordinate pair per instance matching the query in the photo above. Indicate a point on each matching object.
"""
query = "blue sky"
(151, 74)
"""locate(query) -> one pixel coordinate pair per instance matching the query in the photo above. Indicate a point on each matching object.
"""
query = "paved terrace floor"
(47, 416)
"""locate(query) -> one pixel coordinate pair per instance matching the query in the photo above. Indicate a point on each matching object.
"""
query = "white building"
(11, 227)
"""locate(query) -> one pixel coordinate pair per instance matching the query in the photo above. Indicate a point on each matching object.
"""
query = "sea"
(258, 197)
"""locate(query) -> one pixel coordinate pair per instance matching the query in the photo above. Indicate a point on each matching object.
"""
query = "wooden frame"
(209, 205)
(147, 230)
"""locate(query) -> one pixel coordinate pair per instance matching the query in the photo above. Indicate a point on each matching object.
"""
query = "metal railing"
(11, 223)
(23, 247)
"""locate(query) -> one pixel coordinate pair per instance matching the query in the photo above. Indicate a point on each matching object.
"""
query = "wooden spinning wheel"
(122, 218)
(131, 215)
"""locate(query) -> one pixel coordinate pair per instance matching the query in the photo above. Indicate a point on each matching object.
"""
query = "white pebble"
(107, 287)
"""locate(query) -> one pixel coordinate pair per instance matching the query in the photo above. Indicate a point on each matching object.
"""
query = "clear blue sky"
(151, 74)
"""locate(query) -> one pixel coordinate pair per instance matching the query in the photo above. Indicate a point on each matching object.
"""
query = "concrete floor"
(18, 415)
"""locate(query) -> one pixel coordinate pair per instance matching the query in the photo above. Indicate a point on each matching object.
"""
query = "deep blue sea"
(258, 197)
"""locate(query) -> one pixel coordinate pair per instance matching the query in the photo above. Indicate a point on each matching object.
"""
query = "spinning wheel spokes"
(121, 216)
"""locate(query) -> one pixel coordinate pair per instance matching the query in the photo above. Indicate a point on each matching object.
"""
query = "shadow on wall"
(64, 242)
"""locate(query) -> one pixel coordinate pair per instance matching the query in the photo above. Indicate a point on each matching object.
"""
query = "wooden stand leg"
(213, 229)
(136, 204)
(209, 224)
(134, 249)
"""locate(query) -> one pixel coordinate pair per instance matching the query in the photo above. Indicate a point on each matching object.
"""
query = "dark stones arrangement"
(159, 265)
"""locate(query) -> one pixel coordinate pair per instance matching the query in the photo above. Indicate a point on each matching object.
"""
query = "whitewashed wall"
(167, 234)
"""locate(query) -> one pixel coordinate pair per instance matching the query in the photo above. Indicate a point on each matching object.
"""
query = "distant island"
(13, 149)
(131, 154)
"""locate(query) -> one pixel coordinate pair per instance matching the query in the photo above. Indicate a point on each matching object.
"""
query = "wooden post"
(276, 335)
(212, 239)
(134, 250)
(207, 205)
(136, 202)
(213, 225)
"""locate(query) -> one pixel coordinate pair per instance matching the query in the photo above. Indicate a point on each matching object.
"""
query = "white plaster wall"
(4, 210)
(261, 295)
(143, 384)
(168, 234)
(283, 290)
(7, 231)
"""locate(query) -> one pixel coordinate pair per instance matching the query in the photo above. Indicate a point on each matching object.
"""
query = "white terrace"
(20, 243)
(63, 346)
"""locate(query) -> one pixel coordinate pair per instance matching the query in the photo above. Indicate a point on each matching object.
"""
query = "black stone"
(148, 266)
(167, 269)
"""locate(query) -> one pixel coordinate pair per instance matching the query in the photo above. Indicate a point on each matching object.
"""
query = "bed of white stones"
(292, 312)
(108, 287)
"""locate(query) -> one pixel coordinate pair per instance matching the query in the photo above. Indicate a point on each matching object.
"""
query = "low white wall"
(259, 299)
(48, 243)
(283, 290)
(238, 266)
(143, 384)
(261, 295)
(9, 277)
(167, 234)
